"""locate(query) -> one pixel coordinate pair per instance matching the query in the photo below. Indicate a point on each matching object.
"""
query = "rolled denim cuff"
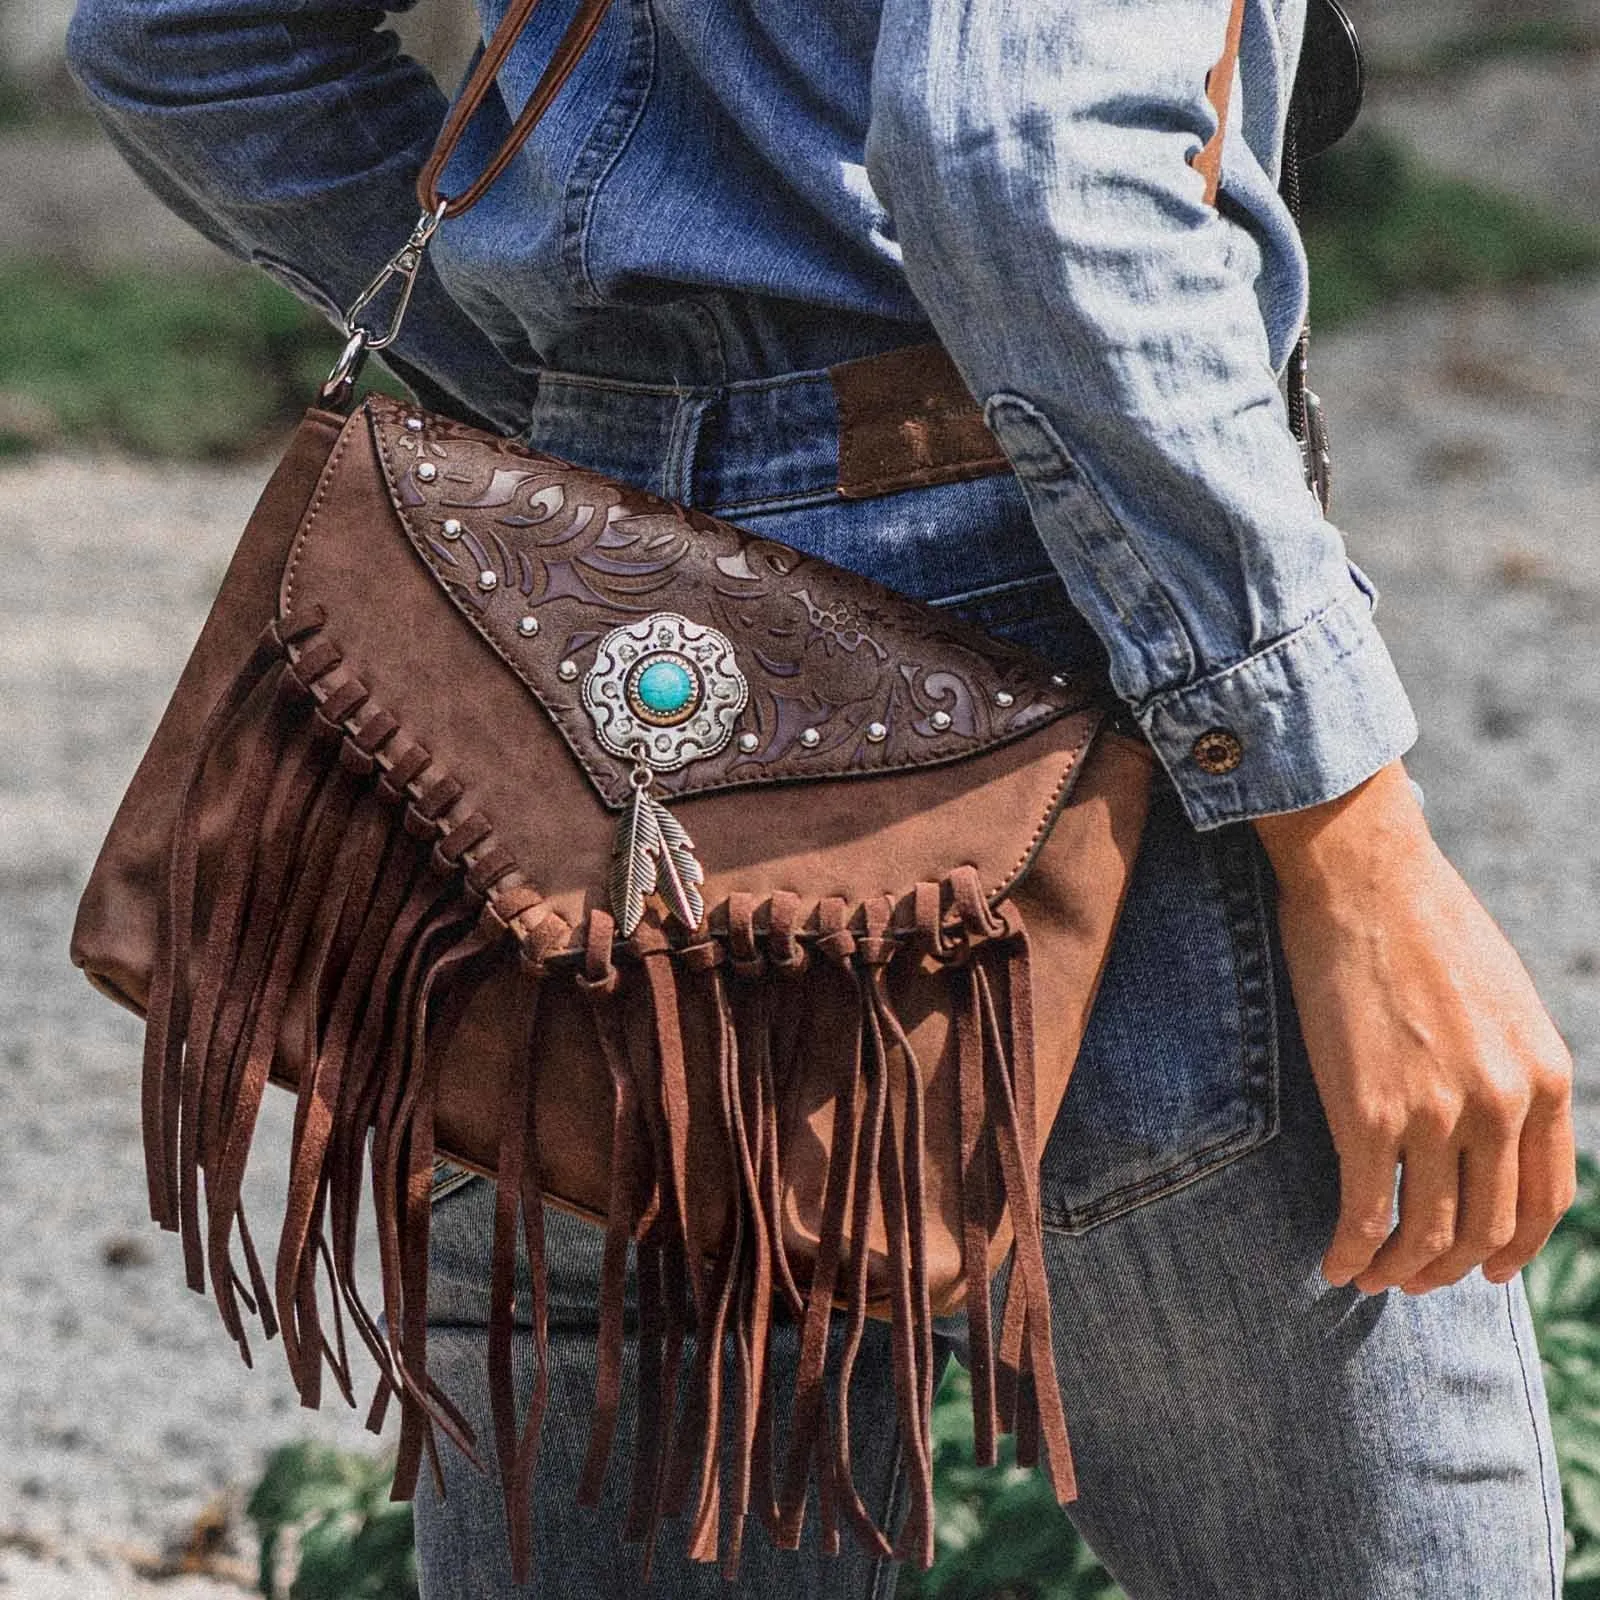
(1301, 721)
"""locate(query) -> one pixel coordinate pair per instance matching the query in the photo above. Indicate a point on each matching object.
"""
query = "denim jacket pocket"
(1178, 1071)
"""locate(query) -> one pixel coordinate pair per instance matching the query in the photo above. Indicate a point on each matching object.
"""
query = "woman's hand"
(1430, 1049)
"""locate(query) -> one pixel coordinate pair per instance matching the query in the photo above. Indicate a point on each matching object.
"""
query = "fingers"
(1487, 1219)
(1366, 1208)
(1546, 1184)
(1489, 1195)
(1430, 1184)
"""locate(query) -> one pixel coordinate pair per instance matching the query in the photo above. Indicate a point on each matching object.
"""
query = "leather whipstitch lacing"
(353, 872)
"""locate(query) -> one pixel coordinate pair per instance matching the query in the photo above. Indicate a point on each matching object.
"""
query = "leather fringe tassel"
(340, 903)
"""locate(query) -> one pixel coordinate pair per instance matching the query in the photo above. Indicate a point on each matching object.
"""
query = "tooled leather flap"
(730, 659)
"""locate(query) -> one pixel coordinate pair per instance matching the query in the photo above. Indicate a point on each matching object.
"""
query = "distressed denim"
(1242, 1431)
(729, 189)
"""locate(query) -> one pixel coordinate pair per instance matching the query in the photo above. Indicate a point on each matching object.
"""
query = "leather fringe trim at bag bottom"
(334, 875)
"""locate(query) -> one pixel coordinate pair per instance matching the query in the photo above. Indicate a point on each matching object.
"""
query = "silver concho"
(665, 690)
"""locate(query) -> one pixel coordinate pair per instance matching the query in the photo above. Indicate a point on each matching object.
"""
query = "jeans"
(1239, 1428)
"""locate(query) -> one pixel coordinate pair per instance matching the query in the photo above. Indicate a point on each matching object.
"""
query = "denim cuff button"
(1217, 751)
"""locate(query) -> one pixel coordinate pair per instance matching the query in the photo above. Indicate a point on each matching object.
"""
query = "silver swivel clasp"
(360, 340)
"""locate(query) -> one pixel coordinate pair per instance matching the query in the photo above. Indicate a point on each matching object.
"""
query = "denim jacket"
(757, 186)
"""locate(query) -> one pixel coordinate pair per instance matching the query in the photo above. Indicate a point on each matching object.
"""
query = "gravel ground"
(123, 1407)
(49, 185)
(1475, 124)
(1469, 472)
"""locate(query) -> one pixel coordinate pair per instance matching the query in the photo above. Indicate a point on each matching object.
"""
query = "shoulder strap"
(1207, 160)
(582, 28)
(573, 43)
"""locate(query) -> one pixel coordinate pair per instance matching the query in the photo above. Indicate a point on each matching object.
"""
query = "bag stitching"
(604, 781)
(302, 537)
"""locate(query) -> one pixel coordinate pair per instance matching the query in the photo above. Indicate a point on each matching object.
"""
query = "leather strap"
(1207, 160)
(573, 43)
(586, 22)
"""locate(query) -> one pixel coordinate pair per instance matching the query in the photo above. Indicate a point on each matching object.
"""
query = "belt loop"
(683, 443)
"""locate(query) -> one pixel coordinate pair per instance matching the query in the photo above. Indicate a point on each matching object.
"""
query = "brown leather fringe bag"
(511, 814)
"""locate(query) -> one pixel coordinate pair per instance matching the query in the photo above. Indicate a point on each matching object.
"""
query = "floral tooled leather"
(545, 558)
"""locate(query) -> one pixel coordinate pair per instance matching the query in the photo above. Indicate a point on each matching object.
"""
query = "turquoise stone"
(665, 687)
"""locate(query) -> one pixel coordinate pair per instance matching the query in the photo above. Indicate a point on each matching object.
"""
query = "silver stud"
(810, 738)
(414, 424)
(749, 742)
(427, 471)
(452, 528)
(567, 671)
(528, 627)
(1004, 698)
(876, 732)
(940, 720)
(1059, 679)
(488, 580)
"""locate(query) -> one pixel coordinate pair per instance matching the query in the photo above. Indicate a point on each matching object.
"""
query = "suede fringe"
(351, 899)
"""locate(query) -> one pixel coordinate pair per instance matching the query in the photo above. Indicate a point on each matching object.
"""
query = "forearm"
(290, 132)
(1037, 175)
(1358, 844)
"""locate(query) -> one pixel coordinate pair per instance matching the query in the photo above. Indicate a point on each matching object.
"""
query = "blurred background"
(145, 383)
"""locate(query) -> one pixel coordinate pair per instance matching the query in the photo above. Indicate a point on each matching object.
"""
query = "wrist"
(1371, 833)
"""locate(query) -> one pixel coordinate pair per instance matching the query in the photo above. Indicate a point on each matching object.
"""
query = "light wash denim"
(731, 196)
(1241, 1430)
(729, 189)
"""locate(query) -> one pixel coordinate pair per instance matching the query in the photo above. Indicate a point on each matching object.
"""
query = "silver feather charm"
(680, 875)
(653, 853)
(633, 860)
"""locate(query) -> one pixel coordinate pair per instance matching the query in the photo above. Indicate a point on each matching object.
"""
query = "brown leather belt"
(906, 421)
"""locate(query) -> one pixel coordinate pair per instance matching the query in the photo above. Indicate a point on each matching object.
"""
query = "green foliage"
(189, 365)
(999, 1534)
(1379, 226)
(328, 1529)
(1564, 1292)
(1506, 38)
(16, 107)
